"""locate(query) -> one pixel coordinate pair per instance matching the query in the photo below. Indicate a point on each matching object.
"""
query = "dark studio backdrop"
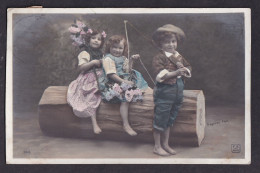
(44, 56)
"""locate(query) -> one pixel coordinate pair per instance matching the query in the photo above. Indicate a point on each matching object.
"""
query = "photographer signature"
(217, 122)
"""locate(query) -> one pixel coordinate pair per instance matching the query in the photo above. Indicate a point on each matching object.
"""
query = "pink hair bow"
(90, 31)
(104, 34)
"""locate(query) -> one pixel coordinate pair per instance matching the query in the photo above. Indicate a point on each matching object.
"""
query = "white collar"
(168, 54)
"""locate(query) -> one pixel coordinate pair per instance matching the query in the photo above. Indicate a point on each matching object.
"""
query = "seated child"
(124, 85)
(83, 93)
(169, 67)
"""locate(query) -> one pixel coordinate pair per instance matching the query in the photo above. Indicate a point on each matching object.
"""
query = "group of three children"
(109, 78)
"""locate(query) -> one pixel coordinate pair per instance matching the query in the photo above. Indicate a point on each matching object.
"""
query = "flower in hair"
(80, 24)
(77, 30)
(74, 30)
(77, 40)
(104, 34)
(82, 32)
(90, 31)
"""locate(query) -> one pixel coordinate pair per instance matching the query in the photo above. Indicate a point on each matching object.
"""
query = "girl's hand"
(129, 82)
(136, 56)
(97, 63)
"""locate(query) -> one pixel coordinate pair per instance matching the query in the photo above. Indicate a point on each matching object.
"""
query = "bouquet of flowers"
(130, 93)
(78, 31)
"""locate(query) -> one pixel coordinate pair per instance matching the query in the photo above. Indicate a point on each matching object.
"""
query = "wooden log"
(56, 118)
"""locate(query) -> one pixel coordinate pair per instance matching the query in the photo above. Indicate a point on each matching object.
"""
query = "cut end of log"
(201, 121)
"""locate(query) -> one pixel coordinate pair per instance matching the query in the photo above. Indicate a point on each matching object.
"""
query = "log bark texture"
(56, 118)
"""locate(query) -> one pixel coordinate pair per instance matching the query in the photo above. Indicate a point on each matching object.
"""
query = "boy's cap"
(171, 28)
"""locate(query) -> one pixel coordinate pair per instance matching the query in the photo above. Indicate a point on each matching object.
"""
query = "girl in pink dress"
(83, 93)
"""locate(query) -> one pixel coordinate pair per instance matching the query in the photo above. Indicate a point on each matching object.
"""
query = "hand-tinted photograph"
(155, 86)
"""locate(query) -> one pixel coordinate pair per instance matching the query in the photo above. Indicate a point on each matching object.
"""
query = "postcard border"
(9, 86)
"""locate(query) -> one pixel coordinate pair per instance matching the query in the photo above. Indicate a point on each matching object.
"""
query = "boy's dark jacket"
(161, 61)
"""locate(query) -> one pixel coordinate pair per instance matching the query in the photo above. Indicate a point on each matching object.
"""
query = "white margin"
(248, 86)
(9, 90)
(9, 86)
(127, 10)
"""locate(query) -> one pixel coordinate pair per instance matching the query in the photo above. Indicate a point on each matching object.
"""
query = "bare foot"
(169, 149)
(97, 129)
(160, 151)
(129, 130)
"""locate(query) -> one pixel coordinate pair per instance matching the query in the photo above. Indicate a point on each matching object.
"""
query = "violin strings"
(139, 57)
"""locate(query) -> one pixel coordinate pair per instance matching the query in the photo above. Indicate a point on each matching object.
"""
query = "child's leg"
(165, 141)
(165, 138)
(124, 114)
(157, 144)
(96, 128)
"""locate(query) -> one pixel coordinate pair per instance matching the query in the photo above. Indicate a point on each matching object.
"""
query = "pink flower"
(74, 29)
(117, 88)
(104, 34)
(74, 44)
(79, 40)
(129, 95)
(90, 31)
(80, 24)
(82, 32)
(137, 92)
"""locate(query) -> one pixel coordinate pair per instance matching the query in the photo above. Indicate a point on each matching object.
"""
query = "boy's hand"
(179, 65)
(181, 71)
(136, 56)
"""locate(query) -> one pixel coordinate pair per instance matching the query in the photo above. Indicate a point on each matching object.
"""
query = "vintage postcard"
(128, 86)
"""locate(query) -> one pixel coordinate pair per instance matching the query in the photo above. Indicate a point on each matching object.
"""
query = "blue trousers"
(168, 100)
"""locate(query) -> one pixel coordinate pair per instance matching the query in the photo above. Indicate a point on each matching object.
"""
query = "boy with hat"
(169, 67)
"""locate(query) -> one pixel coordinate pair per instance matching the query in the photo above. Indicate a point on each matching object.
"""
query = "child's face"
(117, 49)
(95, 41)
(169, 44)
